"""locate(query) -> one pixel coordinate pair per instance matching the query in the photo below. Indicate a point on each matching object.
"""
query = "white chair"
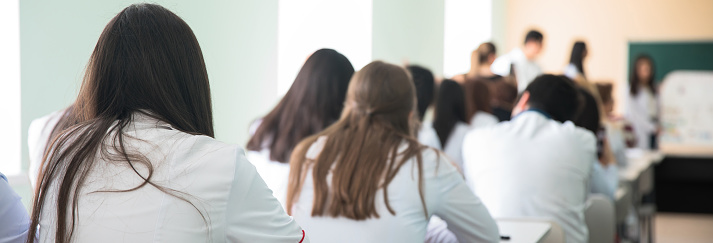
(600, 218)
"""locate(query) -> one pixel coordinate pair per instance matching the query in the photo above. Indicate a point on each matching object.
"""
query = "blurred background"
(253, 50)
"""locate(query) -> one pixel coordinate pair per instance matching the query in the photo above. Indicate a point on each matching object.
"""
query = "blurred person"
(539, 164)
(642, 107)
(450, 120)
(13, 216)
(502, 89)
(575, 68)
(424, 82)
(620, 134)
(477, 105)
(135, 158)
(367, 179)
(521, 61)
(314, 101)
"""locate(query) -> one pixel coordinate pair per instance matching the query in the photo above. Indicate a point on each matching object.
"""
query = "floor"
(689, 228)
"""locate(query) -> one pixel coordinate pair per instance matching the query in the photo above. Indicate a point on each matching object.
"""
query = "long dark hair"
(450, 109)
(147, 60)
(425, 85)
(578, 51)
(364, 149)
(478, 95)
(634, 80)
(314, 101)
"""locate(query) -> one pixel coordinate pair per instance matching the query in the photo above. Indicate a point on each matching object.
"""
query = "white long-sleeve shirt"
(445, 193)
(533, 166)
(640, 110)
(525, 70)
(215, 177)
(14, 220)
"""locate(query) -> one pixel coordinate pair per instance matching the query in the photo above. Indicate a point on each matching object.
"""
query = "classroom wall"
(238, 40)
(409, 31)
(607, 26)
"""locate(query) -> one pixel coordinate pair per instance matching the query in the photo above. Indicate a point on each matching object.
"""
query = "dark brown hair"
(362, 149)
(147, 60)
(577, 58)
(450, 109)
(477, 97)
(605, 92)
(634, 80)
(314, 101)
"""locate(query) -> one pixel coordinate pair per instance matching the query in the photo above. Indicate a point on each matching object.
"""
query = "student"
(575, 69)
(425, 90)
(450, 120)
(13, 215)
(642, 102)
(538, 164)
(136, 160)
(522, 60)
(313, 102)
(366, 178)
(478, 110)
(619, 131)
(503, 89)
(39, 135)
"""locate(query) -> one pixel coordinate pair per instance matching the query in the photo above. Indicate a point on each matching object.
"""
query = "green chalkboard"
(670, 56)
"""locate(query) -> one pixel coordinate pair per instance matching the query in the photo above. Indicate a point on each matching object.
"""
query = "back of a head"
(477, 97)
(554, 95)
(579, 49)
(425, 84)
(482, 54)
(146, 60)
(314, 101)
(533, 35)
(450, 109)
(363, 144)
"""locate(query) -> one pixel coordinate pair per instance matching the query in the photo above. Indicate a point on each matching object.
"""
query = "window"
(306, 26)
(467, 24)
(10, 87)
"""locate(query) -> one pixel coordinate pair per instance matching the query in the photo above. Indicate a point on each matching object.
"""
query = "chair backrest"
(600, 219)
(555, 235)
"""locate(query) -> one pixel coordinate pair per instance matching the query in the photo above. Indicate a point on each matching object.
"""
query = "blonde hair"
(362, 150)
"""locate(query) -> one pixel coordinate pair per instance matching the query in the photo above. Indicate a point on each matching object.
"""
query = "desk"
(523, 230)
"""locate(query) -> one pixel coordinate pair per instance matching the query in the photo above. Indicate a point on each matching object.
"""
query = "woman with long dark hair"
(450, 120)
(135, 159)
(642, 103)
(367, 179)
(313, 102)
(575, 69)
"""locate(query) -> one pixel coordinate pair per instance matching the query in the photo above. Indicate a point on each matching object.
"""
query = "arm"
(13, 215)
(254, 215)
(604, 180)
(466, 216)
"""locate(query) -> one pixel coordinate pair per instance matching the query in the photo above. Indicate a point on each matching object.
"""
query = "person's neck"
(482, 70)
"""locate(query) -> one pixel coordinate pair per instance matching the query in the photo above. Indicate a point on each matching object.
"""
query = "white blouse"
(640, 110)
(232, 203)
(445, 193)
(275, 173)
(38, 135)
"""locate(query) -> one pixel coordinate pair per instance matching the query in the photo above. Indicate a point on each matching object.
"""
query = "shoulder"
(578, 134)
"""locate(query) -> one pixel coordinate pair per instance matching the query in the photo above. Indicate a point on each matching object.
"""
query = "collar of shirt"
(543, 113)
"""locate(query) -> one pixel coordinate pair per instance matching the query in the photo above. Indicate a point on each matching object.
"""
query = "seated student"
(14, 222)
(136, 160)
(538, 164)
(521, 61)
(450, 120)
(313, 102)
(605, 175)
(478, 110)
(424, 82)
(619, 131)
(367, 179)
(503, 91)
(39, 135)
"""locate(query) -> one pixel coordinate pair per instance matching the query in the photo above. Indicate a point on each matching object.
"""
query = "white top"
(214, 176)
(640, 110)
(13, 216)
(571, 71)
(454, 143)
(38, 135)
(275, 173)
(525, 70)
(428, 136)
(445, 193)
(533, 166)
(483, 119)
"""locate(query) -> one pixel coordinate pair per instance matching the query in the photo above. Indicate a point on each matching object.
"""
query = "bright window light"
(10, 86)
(309, 25)
(467, 24)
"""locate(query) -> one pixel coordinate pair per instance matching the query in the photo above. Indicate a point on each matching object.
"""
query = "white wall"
(238, 39)
(409, 31)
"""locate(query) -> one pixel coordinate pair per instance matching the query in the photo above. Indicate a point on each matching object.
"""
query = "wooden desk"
(523, 231)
